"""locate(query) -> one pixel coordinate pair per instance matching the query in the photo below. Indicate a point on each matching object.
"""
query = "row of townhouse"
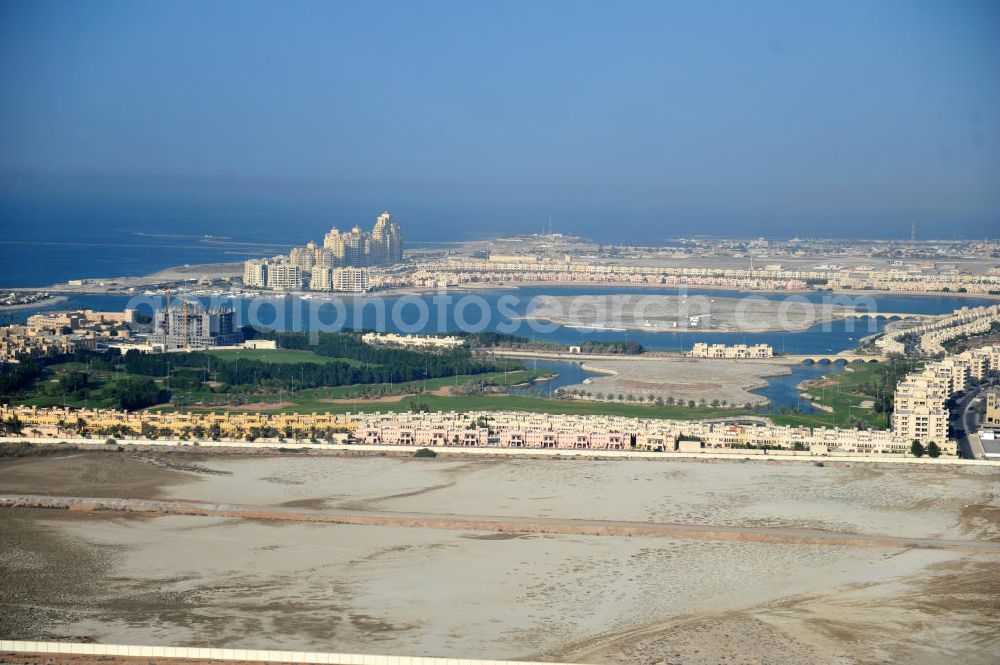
(404, 435)
(442, 278)
(57, 421)
(932, 336)
(515, 263)
(480, 429)
(529, 268)
(520, 430)
(901, 282)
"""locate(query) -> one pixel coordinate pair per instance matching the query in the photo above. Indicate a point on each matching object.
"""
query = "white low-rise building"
(412, 341)
(736, 351)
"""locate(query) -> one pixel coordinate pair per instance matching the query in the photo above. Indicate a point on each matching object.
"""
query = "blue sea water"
(38, 249)
(44, 251)
(44, 263)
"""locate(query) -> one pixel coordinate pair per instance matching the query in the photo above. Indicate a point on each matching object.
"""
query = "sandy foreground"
(214, 581)
(683, 378)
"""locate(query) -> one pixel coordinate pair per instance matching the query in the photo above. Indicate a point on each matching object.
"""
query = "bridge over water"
(832, 358)
(893, 316)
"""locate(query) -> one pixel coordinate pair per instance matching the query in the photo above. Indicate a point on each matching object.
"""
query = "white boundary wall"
(129, 650)
(98, 443)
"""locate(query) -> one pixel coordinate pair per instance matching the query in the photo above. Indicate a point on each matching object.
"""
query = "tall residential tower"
(312, 264)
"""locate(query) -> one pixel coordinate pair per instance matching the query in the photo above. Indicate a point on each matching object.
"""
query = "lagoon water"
(781, 391)
(500, 310)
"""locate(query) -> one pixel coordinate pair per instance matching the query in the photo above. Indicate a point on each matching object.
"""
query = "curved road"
(965, 419)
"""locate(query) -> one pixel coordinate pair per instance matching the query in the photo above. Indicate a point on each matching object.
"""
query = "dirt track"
(505, 524)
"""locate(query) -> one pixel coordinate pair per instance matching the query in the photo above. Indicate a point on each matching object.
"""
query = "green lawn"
(315, 399)
(48, 393)
(279, 356)
(97, 400)
(840, 396)
(534, 405)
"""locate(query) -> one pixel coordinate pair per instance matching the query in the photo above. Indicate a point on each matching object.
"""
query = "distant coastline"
(51, 301)
(122, 285)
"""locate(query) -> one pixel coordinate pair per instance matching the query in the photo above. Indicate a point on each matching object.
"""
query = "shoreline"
(749, 385)
(621, 326)
(40, 304)
(192, 271)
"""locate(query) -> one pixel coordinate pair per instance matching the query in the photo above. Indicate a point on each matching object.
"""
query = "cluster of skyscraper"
(339, 265)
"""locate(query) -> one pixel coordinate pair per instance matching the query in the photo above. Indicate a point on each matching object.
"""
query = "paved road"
(965, 418)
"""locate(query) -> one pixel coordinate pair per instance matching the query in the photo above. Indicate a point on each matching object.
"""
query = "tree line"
(494, 340)
(373, 365)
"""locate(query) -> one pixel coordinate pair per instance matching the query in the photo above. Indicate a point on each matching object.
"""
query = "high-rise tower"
(387, 241)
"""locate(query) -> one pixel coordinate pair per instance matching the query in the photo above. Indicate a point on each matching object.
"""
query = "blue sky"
(624, 120)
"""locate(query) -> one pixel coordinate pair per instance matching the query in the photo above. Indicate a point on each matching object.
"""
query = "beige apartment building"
(343, 280)
(920, 412)
(993, 408)
(19, 343)
(921, 398)
(953, 372)
(349, 280)
(63, 332)
(284, 277)
(81, 320)
(255, 273)
(278, 273)
(737, 351)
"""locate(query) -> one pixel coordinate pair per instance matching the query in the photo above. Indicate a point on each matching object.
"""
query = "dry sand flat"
(683, 378)
(496, 525)
(426, 591)
(893, 620)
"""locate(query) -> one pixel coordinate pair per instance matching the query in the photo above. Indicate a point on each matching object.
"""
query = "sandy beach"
(683, 379)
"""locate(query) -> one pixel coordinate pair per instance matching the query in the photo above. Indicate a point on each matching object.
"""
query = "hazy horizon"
(634, 124)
